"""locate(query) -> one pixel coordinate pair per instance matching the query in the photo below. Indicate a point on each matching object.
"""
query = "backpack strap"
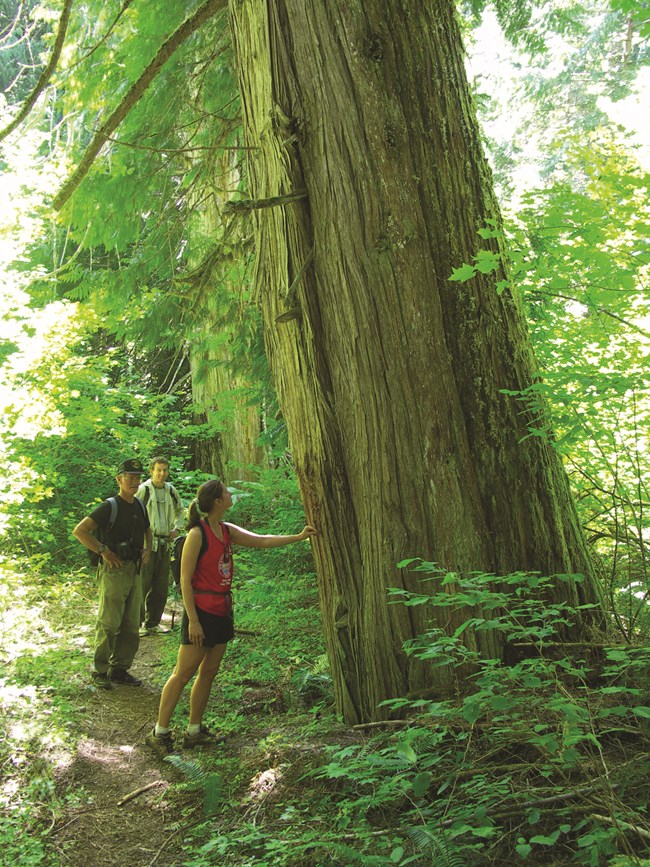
(142, 505)
(174, 493)
(168, 487)
(113, 515)
(204, 541)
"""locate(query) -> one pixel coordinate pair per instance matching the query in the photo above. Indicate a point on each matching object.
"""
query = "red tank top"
(213, 574)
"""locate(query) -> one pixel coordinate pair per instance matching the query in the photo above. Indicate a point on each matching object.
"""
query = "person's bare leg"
(203, 683)
(189, 659)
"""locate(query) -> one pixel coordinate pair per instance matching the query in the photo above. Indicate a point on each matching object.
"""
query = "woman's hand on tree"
(308, 532)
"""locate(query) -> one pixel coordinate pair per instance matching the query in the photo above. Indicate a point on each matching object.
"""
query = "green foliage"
(62, 446)
(530, 752)
(42, 670)
(209, 784)
(583, 279)
(637, 12)
(22, 41)
(529, 24)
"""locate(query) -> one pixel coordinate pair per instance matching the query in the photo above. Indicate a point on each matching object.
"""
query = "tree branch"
(256, 204)
(125, 6)
(45, 76)
(167, 49)
(140, 791)
(589, 304)
(9, 29)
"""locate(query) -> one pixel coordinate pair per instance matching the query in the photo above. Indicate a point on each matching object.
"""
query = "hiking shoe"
(101, 680)
(203, 737)
(118, 675)
(153, 630)
(162, 745)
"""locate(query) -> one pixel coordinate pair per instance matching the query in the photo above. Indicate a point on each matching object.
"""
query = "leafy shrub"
(537, 755)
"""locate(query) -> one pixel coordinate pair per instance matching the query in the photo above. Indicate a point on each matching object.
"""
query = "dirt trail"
(111, 762)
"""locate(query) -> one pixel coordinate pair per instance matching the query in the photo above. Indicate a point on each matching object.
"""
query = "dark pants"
(155, 586)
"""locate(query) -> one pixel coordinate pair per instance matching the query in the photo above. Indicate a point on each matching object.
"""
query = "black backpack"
(102, 534)
(177, 551)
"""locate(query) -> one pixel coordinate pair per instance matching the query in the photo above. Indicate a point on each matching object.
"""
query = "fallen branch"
(383, 722)
(624, 826)
(167, 49)
(45, 76)
(245, 632)
(165, 844)
(540, 644)
(140, 791)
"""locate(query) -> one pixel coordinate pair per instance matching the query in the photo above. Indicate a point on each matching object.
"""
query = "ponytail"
(202, 503)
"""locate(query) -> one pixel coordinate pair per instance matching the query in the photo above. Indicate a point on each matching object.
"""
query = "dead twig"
(140, 791)
(164, 846)
(623, 826)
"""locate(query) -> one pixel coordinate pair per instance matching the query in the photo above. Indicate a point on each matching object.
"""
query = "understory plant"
(539, 757)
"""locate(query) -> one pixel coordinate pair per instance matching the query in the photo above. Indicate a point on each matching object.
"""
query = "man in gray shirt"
(165, 512)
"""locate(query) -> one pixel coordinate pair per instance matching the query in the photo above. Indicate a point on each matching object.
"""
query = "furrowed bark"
(390, 376)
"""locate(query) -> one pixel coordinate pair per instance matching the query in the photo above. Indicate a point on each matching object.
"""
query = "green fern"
(426, 838)
(191, 770)
(321, 665)
(210, 783)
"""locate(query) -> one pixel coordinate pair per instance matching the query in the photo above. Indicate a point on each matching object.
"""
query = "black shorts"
(216, 629)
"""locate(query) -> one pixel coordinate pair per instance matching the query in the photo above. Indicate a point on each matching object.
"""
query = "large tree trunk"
(389, 375)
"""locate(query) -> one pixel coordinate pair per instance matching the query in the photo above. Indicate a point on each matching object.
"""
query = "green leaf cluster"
(521, 755)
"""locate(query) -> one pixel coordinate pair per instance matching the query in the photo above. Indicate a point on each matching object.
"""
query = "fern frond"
(321, 665)
(444, 855)
(212, 792)
(191, 770)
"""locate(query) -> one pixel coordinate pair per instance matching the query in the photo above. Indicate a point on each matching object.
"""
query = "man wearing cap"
(125, 547)
(166, 517)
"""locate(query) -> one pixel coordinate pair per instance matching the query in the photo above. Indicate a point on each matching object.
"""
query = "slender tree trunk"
(390, 376)
(216, 390)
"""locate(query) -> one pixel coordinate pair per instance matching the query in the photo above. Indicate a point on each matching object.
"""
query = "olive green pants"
(118, 619)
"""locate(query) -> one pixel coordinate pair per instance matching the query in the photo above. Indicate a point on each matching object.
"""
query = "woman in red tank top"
(207, 626)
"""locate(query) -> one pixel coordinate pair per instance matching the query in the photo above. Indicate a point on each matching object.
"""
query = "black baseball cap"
(132, 465)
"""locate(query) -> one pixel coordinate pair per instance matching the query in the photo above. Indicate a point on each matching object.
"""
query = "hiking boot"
(101, 680)
(162, 745)
(119, 675)
(153, 630)
(203, 737)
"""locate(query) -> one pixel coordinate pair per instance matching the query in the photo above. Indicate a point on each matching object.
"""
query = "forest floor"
(291, 785)
(80, 788)
(107, 828)
(112, 762)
